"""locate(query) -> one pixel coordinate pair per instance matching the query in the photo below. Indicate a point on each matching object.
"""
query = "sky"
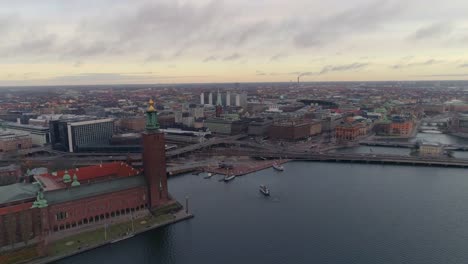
(57, 42)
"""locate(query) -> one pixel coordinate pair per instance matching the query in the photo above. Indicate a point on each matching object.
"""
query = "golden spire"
(151, 106)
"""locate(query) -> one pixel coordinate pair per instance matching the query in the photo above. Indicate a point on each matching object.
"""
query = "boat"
(264, 190)
(209, 175)
(229, 177)
(278, 167)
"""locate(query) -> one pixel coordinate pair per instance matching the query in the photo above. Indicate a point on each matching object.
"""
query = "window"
(61, 215)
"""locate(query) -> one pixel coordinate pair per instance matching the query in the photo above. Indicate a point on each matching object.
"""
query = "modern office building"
(40, 135)
(70, 134)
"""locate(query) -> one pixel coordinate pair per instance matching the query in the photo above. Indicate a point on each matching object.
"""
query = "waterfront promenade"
(79, 241)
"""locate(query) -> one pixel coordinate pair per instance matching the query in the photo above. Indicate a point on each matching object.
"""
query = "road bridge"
(353, 157)
(459, 147)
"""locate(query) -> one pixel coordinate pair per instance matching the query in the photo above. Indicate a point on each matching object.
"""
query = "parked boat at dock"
(209, 175)
(278, 167)
(229, 177)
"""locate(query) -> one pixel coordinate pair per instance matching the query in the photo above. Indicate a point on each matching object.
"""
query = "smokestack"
(298, 79)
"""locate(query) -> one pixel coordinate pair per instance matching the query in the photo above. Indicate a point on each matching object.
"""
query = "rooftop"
(17, 192)
(93, 189)
(10, 167)
(54, 181)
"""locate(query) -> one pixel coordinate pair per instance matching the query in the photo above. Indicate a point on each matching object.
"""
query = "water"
(318, 213)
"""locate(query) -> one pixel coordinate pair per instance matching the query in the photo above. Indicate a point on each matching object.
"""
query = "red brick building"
(350, 131)
(85, 196)
(401, 128)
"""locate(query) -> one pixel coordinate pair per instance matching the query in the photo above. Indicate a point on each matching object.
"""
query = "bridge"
(233, 140)
(410, 145)
(352, 157)
(388, 144)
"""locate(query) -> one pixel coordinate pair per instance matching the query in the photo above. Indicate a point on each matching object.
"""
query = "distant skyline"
(56, 42)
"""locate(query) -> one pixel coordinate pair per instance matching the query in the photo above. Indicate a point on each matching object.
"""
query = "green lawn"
(20, 255)
(90, 238)
(95, 237)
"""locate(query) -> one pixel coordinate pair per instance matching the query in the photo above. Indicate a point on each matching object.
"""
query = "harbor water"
(317, 213)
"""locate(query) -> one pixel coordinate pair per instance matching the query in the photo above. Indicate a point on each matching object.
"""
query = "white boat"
(264, 190)
(209, 175)
(278, 167)
(229, 177)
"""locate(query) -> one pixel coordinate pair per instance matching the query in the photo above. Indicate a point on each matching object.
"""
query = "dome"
(75, 181)
(66, 177)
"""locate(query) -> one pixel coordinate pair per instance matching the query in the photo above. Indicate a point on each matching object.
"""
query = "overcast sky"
(137, 41)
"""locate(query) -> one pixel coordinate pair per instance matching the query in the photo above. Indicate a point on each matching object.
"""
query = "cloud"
(464, 65)
(345, 67)
(359, 19)
(435, 30)
(210, 58)
(334, 68)
(260, 73)
(154, 57)
(278, 57)
(98, 78)
(232, 57)
(416, 64)
(443, 75)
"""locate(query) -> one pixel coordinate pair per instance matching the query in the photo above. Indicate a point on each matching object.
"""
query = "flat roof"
(16, 125)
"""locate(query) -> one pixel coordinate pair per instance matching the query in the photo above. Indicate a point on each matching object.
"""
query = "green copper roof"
(66, 177)
(94, 189)
(75, 181)
(151, 117)
(40, 201)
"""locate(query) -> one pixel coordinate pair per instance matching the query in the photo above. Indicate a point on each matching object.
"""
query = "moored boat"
(229, 177)
(209, 175)
(278, 167)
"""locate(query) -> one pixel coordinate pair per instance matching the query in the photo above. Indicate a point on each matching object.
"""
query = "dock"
(244, 167)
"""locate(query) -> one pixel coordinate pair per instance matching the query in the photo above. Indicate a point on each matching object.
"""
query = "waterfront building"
(87, 197)
(431, 149)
